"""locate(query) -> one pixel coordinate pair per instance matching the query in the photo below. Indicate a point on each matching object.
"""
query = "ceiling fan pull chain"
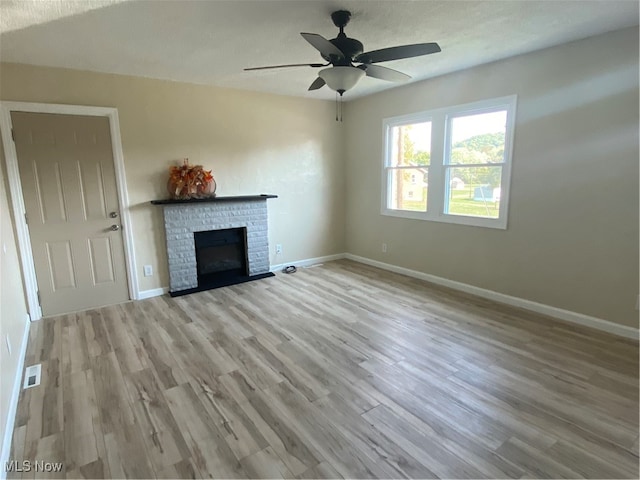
(336, 106)
(341, 106)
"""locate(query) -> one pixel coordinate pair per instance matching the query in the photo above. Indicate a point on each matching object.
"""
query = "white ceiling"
(210, 42)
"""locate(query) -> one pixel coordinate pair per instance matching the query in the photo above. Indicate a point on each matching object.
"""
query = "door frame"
(17, 199)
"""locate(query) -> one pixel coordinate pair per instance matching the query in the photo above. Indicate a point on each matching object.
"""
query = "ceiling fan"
(342, 52)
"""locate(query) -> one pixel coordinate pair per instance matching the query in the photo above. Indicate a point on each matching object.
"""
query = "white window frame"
(440, 145)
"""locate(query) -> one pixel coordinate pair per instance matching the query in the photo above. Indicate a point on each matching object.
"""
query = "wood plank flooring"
(336, 371)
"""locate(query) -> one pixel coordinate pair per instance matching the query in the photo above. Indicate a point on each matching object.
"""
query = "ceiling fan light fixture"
(341, 79)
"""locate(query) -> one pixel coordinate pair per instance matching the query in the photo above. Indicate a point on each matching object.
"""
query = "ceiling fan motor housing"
(350, 47)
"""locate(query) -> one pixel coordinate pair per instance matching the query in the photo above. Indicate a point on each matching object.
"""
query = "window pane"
(410, 145)
(474, 191)
(478, 138)
(408, 189)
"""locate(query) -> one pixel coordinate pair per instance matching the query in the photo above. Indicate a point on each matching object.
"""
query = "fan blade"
(315, 65)
(384, 73)
(396, 53)
(317, 83)
(324, 46)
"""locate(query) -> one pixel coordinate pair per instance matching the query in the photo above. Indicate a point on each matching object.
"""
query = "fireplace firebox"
(221, 255)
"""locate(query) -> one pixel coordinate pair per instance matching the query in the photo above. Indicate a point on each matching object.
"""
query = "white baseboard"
(308, 262)
(154, 292)
(13, 406)
(559, 313)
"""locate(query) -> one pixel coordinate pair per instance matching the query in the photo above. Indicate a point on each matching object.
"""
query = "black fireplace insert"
(221, 256)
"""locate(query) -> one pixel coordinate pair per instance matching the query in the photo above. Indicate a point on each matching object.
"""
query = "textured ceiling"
(210, 42)
(17, 14)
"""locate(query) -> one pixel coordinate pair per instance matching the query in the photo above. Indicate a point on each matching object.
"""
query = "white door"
(69, 189)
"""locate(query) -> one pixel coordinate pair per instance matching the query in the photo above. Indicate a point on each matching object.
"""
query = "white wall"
(572, 237)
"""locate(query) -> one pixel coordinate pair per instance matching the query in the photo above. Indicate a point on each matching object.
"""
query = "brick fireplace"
(246, 215)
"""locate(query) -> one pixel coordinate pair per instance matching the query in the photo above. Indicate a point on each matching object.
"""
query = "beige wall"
(13, 308)
(254, 143)
(572, 238)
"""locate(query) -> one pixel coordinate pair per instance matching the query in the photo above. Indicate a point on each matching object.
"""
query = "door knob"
(113, 214)
(115, 228)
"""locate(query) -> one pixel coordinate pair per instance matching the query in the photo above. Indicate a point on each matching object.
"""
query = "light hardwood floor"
(342, 370)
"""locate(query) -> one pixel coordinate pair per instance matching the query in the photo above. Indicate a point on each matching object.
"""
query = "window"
(451, 164)
(408, 160)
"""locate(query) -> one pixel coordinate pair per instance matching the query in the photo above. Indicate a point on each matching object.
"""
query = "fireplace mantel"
(240, 198)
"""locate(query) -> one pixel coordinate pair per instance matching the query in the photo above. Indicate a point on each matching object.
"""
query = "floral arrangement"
(190, 181)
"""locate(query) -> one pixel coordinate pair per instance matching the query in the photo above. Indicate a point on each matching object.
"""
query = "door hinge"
(39, 302)
(13, 135)
(26, 219)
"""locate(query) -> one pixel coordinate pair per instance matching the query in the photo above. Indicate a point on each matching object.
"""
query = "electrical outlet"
(278, 248)
(384, 248)
(148, 270)
(8, 343)
(4, 247)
